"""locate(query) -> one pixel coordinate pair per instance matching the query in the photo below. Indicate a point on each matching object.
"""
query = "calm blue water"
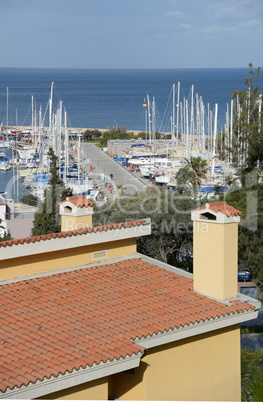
(97, 98)
(9, 183)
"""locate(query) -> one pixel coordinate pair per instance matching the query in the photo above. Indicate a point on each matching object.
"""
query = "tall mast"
(145, 107)
(259, 112)
(203, 125)
(7, 108)
(154, 125)
(231, 129)
(228, 136)
(50, 115)
(197, 123)
(214, 142)
(32, 107)
(66, 145)
(177, 116)
(149, 117)
(187, 130)
(208, 128)
(173, 123)
(35, 129)
(192, 118)
(50, 106)
(40, 126)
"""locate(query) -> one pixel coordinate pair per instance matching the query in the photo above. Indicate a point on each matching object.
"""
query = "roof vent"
(208, 216)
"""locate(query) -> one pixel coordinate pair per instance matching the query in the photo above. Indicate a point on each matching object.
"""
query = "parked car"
(244, 275)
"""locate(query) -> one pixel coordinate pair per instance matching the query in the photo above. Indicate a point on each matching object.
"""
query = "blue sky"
(131, 33)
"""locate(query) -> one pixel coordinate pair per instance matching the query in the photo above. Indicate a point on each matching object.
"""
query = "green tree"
(170, 218)
(30, 199)
(91, 133)
(192, 174)
(249, 200)
(6, 236)
(47, 219)
(252, 375)
(246, 152)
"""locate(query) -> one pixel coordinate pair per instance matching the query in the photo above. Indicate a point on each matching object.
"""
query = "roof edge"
(74, 239)
(76, 232)
(194, 329)
(76, 377)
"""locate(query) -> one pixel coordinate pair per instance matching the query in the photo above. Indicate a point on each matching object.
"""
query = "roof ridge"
(220, 206)
(77, 232)
(78, 200)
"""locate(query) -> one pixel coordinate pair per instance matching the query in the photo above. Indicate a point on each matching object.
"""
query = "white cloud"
(174, 14)
(251, 24)
(215, 29)
(235, 9)
(185, 26)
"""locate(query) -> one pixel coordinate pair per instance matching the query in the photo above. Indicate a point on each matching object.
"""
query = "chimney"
(215, 249)
(76, 213)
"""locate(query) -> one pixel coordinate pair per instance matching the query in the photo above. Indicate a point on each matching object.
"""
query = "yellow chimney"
(76, 213)
(215, 250)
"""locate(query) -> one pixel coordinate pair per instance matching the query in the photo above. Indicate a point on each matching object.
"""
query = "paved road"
(105, 165)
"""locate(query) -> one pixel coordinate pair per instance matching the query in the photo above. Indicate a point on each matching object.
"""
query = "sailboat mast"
(197, 123)
(40, 126)
(231, 129)
(259, 112)
(50, 115)
(7, 108)
(214, 142)
(66, 145)
(187, 130)
(32, 107)
(149, 117)
(173, 131)
(154, 125)
(177, 116)
(192, 120)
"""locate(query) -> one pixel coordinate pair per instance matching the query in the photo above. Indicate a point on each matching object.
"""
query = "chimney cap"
(79, 201)
(219, 211)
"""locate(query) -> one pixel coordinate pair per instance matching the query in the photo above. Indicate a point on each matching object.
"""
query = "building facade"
(84, 316)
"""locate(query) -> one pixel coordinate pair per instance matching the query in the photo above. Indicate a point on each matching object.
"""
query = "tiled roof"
(79, 201)
(77, 232)
(221, 206)
(55, 324)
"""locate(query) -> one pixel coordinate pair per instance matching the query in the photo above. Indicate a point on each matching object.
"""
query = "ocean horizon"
(99, 98)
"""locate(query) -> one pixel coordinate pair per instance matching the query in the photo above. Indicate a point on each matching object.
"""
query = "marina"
(184, 127)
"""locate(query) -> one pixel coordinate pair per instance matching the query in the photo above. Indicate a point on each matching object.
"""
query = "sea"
(99, 98)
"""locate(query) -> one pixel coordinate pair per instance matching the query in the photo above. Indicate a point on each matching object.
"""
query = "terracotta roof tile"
(79, 201)
(80, 330)
(105, 228)
(221, 206)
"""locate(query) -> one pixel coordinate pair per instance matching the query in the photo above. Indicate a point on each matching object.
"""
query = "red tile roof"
(52, 325)
(221, 206)
(77, 232)
(79, 201)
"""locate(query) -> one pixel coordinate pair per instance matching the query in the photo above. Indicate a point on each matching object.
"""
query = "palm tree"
(198, 171)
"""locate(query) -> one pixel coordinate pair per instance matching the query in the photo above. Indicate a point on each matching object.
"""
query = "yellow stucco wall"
(215, 259)
(201, 368)
(94, 390)
(75, 222)
(32, 264)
